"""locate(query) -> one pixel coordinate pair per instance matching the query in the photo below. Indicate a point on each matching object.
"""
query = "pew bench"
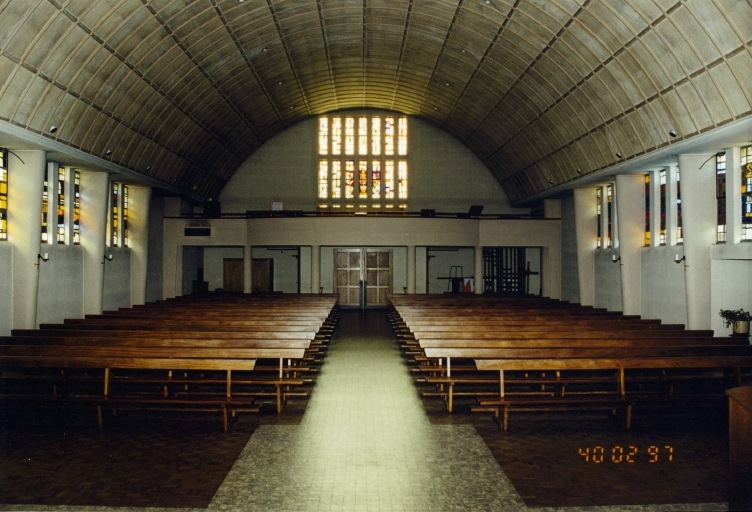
(211, 369)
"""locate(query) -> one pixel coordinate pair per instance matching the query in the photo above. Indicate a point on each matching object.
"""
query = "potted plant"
(738, 318)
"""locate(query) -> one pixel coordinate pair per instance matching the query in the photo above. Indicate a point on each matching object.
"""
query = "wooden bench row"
(522, 362)
(194, 364)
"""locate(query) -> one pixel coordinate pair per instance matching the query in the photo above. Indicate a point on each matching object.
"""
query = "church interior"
(379, 255)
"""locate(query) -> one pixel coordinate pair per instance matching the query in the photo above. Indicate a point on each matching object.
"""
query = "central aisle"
(365, 443)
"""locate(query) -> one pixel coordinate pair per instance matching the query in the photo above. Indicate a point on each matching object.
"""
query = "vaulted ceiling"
(542, 91)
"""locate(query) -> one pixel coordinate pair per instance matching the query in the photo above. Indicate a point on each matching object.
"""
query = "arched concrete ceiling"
(543, 91)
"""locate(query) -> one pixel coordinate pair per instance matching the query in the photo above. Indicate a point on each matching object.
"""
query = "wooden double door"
(363, 277)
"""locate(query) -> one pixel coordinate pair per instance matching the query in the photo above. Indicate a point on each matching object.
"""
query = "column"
(585, 216)
(248, 267)
(315, 268)
(733, 196)
(139, 199)
(699, 221)
(478, 274)
(630, 191)
(26, 171)
(95, 190)
(410, 269)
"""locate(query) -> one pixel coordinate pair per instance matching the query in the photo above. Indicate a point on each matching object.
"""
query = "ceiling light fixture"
(618, 154)
(579, 171)
(108, 152)
(672, 132)
(53, 128)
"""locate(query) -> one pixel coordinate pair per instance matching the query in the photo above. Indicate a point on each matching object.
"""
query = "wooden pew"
(616, 359)
(197, 339)
(533, 337)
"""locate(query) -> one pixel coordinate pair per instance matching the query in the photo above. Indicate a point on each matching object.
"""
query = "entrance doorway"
(232, 275)
(363, 277)
(262, 275)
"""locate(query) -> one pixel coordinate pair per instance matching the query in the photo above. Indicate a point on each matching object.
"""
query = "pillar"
(139, 199)
(315, 268)
(95, 190)
(410, 269)
(699, 223)
(248, 266)
(585, 216)
(26, 171)
(630, 206)
(478, 274)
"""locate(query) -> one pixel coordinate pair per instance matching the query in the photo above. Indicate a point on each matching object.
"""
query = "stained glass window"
(720, 195)
(679, 230)
(45, 209)
(609, 213)
(662, 181)
(61, 205)
(746, 161)
(362, 162)
(115, 219)
(76, 208)
(647, 210)
(3, 194)
(599, 217)
(124, 215)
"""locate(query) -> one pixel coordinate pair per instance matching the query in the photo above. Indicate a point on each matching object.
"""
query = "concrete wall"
(61, 291)
(116, 287)
(397, 233)
(154, 263)
(663, 289)
(6, 288)
(570, 290)
(287, 263)
(443, 174)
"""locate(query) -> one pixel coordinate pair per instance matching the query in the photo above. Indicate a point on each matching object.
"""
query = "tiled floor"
(367, 443)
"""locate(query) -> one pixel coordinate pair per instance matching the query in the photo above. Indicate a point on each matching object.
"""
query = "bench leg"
(100, 417)
(450, 397)
(225, 419)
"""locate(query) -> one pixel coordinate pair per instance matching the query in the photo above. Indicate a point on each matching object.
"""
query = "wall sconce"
(677, 259)
(615, 258)
(108, 257)
(44, 257)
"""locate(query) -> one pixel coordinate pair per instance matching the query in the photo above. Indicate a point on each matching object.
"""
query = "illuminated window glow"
(76, 208)
(679, 230)
(599, 217)
(61, 205)
(720, 195)
(363, 162)
(609, 213)
(3, 194)
(115, 218)
(124, 215)
(45, 209)
(647, 210)
(662, 181)
(746, 161)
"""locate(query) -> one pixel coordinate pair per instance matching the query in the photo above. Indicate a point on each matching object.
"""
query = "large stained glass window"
(363, 162)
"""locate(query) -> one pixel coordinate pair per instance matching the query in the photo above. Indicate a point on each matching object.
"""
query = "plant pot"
(741, 327)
